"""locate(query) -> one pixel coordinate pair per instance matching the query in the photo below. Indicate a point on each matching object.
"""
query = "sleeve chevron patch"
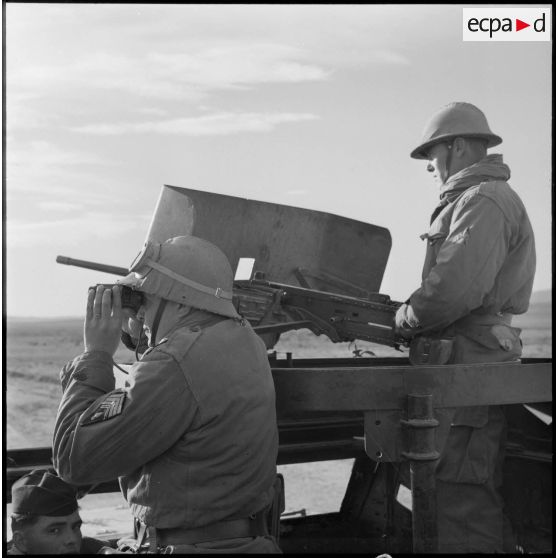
(110, 407)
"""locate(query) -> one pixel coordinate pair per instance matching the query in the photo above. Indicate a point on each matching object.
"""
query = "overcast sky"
(313, 106)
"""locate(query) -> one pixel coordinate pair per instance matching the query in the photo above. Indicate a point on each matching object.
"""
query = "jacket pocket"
(473, 446)
(508, 339)
(434, 238)
(439, 228)
(487, 343)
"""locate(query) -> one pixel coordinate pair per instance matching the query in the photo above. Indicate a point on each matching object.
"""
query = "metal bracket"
(382, 436)
(386, 434)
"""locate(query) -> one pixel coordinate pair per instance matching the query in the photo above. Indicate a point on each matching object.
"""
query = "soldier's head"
(456, 137)
(182, 273)
(45, 517)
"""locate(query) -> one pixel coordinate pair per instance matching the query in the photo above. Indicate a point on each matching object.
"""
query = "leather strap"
(156, 320)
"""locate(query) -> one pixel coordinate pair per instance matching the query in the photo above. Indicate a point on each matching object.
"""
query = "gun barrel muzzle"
(105, 268)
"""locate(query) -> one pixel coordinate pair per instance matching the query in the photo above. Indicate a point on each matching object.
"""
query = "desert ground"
(36, 350)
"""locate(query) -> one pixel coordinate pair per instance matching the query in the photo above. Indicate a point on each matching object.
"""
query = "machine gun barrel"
(112, 269)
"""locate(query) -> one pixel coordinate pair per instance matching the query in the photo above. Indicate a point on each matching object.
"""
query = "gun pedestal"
(391, 438)
(423, 457)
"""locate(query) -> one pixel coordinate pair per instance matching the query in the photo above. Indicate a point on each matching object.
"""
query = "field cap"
(42, 493)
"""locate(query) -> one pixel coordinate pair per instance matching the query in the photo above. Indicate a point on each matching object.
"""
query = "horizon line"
(549, 290)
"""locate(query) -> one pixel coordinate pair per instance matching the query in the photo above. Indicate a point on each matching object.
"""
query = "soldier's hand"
(405, 321)
(103, 320)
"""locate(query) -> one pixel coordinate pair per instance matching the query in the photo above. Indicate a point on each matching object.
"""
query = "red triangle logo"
(519, 25)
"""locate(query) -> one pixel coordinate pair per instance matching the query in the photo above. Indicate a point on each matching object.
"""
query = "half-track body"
(322, 272)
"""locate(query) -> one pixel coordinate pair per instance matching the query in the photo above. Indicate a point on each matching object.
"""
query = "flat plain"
(36, 350)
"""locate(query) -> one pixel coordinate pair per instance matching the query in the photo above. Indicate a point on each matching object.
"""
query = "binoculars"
(130, 298)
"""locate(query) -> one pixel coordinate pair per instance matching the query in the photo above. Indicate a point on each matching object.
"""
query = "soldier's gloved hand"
(405, 321)
(103, 320)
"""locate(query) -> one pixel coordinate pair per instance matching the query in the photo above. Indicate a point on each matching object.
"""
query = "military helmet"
(455, 120)
(187, 270)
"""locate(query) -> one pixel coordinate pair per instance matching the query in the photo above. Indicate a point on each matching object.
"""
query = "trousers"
(470, 507)
(470, 515)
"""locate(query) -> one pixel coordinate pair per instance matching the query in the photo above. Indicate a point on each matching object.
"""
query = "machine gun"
(315, 270)
(273, 308)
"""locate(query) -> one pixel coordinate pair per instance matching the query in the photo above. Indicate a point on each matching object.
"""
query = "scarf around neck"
(492, 167)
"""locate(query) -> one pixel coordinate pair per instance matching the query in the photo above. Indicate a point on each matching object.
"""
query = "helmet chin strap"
(156, 321)
(449, 159)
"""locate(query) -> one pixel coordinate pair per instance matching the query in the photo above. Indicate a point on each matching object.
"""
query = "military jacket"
(192, 437)
(480, 256)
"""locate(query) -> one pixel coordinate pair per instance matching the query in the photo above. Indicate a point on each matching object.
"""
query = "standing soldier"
(193, 435)
(478, 273)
